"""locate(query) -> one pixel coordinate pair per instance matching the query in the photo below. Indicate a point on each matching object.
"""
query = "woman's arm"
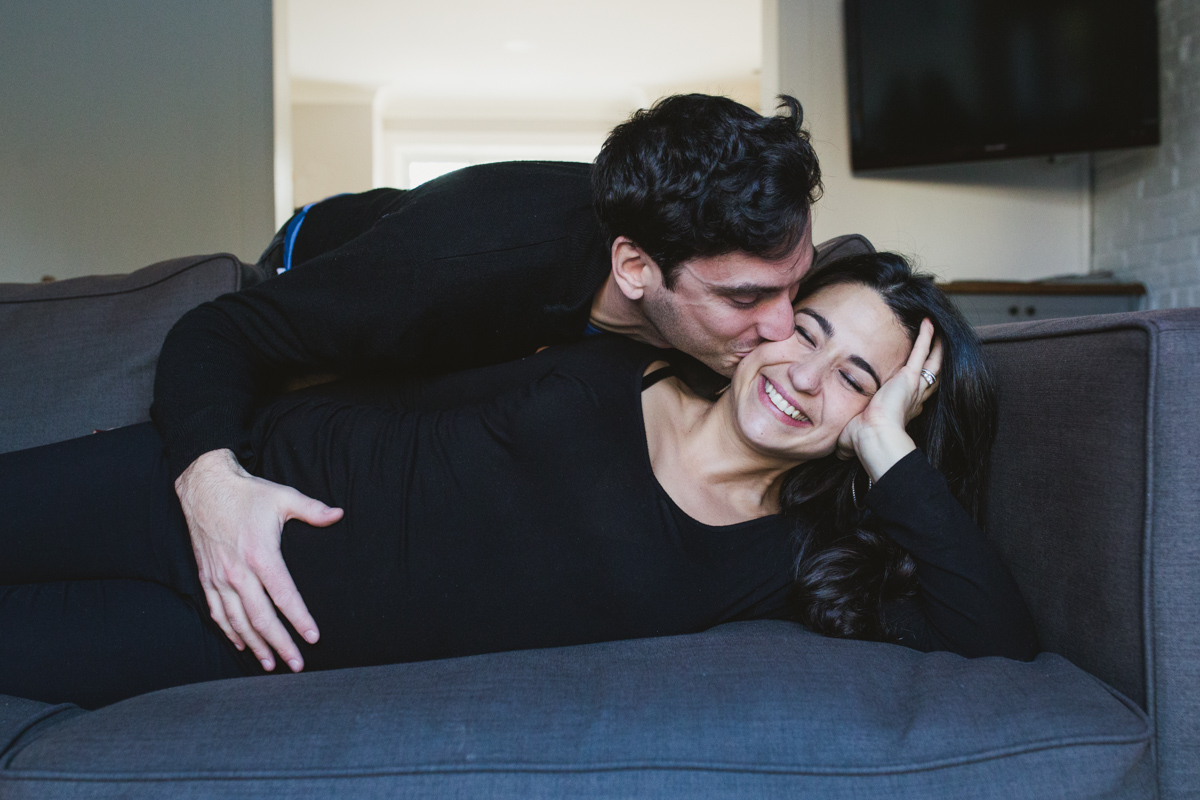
(968, 602)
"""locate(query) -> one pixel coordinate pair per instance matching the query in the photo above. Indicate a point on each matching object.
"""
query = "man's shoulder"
(548, 177)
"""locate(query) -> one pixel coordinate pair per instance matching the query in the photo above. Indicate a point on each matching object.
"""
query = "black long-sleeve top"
(481, 266)
(534, 520)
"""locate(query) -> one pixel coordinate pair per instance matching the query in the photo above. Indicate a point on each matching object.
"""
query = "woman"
(593, 495)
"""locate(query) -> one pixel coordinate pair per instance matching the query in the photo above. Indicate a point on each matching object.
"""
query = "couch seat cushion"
(747, 709)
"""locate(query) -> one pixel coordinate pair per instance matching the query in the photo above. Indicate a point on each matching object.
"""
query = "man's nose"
(777, 320)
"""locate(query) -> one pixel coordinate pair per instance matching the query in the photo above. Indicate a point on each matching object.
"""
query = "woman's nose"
(805, 375)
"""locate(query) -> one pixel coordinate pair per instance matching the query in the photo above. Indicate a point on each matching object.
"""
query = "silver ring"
(929, 377)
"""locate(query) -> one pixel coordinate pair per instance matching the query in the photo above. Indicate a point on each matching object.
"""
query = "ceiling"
(545, 58)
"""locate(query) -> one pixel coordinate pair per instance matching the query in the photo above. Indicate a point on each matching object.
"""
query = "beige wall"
(332, 149)
(132, 132)
(1009, 219)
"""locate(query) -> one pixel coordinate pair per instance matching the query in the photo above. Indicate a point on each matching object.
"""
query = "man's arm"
(461, 275)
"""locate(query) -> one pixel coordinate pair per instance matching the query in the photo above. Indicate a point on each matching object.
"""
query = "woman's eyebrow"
(862, 364)
(858, 361)
(826, 328)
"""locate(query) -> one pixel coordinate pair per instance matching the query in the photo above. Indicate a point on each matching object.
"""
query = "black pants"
(99, 596)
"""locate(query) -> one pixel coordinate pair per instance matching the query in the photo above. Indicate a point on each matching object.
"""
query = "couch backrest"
(1094, 502)
(78, 355)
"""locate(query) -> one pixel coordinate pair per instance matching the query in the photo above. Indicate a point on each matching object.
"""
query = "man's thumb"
(314, 512)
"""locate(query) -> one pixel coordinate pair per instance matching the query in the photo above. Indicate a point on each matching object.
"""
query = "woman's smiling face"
(793, 398)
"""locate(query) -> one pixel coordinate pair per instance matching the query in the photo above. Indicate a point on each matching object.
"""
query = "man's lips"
(765, 391)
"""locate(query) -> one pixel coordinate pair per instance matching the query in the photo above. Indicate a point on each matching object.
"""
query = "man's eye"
(744, 300)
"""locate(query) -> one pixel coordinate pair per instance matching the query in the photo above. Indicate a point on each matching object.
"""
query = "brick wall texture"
(1146, 202)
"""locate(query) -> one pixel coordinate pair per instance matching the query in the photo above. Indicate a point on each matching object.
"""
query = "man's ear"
(632, 269)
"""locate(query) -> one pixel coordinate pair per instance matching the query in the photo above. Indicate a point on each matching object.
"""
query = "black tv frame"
(860, 161)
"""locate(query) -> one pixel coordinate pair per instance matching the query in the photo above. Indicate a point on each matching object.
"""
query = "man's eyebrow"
(857, 361)
(746, 288)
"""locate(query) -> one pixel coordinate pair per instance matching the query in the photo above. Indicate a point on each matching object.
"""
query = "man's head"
(706, 205)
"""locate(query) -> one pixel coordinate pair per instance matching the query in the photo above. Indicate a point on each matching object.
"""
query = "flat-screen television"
(937, 81)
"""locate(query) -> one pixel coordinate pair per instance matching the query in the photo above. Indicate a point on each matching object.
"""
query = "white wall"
(1001, 220)
(132, 132)
(333, 148)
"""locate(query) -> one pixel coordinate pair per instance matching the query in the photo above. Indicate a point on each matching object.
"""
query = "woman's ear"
(632, 269)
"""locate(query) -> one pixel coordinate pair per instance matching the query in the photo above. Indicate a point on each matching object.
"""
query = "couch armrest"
(1093, 501)
(79, 354)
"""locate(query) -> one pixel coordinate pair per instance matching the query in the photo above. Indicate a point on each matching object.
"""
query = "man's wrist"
(221, 461)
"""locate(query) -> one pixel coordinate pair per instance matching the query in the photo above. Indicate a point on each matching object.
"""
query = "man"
(691, 231)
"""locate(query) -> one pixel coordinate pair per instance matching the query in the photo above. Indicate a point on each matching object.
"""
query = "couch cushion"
(745, 710)
(1094, 505)
(79, 354)
(850, 244)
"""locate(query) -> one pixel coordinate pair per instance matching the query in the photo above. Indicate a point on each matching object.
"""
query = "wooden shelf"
(1047, 288)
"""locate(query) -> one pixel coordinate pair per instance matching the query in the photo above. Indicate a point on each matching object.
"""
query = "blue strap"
(293, 229)
(592, 330)
(289, 238)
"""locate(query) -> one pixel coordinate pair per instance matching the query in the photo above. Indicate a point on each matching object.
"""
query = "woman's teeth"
(783, 405)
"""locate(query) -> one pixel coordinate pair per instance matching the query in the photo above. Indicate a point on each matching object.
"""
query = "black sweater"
(534, 520)
(477, 267)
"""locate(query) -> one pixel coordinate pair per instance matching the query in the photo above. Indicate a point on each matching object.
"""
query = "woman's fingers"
(921, 347)
(927, 352)
(934, 362)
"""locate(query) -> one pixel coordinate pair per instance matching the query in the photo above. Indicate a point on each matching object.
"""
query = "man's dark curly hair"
(697, 175)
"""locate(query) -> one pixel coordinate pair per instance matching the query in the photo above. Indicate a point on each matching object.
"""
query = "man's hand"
(235, 521)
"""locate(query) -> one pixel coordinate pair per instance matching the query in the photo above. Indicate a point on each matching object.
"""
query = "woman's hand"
(877, 436)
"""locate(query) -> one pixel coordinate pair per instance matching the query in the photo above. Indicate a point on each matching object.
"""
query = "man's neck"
(614, 312)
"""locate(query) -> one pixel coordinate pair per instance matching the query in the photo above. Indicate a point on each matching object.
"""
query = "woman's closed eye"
(850, 380)
(853, 384)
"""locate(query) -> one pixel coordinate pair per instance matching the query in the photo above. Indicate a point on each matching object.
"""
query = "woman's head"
(956, 427)
(856, 321)
(845, 572)
(792, 398)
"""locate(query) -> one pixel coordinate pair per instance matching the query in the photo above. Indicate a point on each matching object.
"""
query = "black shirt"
(534, 520)
(480, 266)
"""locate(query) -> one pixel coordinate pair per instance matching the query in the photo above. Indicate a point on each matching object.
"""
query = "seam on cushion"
(1121, 698)
(1149, 641)
(616, 766)
(1153, 331)
(1128, 320)
(22, 736)
(226, 256)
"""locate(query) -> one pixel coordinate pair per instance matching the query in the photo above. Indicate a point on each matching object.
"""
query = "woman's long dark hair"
(846, 573)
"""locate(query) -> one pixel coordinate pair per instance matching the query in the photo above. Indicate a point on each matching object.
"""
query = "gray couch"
(1093, 502)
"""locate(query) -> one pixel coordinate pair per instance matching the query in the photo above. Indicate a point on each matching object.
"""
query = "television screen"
(934, 81)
